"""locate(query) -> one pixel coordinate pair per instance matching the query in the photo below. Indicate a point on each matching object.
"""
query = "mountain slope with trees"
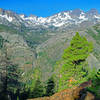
(33, 54)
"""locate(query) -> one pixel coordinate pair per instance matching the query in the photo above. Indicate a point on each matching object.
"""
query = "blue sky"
(47, 7)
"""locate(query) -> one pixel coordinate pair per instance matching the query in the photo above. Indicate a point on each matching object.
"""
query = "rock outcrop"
(71, 94)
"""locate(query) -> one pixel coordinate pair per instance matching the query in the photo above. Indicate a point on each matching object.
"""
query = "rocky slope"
(17, 50)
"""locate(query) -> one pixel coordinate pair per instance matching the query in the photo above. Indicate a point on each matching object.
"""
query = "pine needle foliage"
(75, 68)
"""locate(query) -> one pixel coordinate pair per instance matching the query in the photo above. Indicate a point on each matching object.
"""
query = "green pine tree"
(34, 86)
(1, 42)
(74, 68)
(38, 90)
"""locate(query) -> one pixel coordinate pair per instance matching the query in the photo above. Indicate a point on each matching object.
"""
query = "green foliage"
(74, 69)
(78, 50)
(28, 62)
(50, 87)
(34, 86)
(30, 82)
(98, 75)
(95, 77)
(1, 42)
(92, 74)
(38, 90)
(13, 78)
(4, 28)
(17, 98)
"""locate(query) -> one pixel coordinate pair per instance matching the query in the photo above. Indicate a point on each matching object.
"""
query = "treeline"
(72, 70)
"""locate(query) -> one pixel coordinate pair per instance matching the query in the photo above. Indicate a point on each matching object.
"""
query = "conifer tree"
(1, 42)
(38, 90)
(75, 68)
(95, 77)
(34, 86)
(98, 75)
(50, 87)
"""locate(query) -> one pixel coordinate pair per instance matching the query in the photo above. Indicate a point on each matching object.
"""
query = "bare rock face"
(70, 94)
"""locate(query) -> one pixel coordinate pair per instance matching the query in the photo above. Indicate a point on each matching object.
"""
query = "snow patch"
(98, 17)
(58, 24)
(67, 16)
(22, 16)
(42, 20)
(82, 16)
(8, 18)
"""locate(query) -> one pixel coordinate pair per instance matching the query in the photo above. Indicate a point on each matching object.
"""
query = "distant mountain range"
(40, 41)
(62, 20)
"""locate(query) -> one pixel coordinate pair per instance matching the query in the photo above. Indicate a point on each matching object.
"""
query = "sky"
(46, 8)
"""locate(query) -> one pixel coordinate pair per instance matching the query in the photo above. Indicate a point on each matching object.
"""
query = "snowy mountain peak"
(7, 12)
(22, 16)
(65, 18)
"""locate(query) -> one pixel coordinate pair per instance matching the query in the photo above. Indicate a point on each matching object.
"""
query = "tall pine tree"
(74, 68)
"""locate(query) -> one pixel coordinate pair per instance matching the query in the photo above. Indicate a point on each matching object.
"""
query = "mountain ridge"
(64, 18)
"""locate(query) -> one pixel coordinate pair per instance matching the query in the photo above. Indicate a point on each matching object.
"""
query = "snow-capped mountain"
(63, 19)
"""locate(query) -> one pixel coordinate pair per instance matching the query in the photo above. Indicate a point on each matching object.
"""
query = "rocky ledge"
(76, 93)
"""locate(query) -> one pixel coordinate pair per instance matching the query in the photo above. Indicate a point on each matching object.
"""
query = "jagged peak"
(1, 11)
(75, 16)
(76, 12)
(22, 15)
(93, 11)
(9, 13)
(32, 15)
